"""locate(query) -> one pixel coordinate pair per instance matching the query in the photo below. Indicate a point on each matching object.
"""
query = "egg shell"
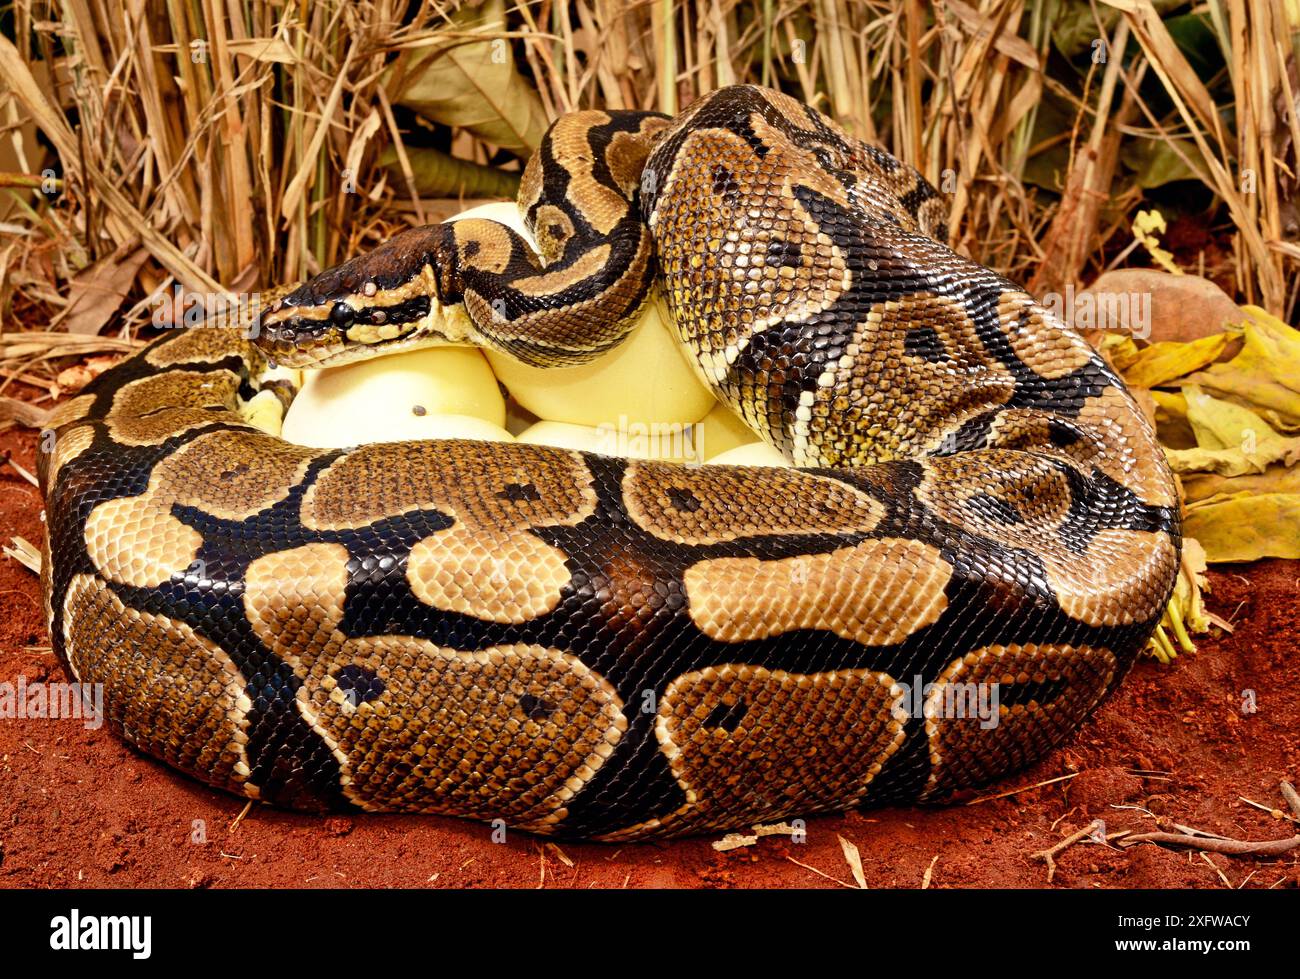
(293, 375)
(645, 379)
(463, 427)
(395, 398)
(265, 412)
(752, 454)
(563, 435)
(722, 430)
(677, 443)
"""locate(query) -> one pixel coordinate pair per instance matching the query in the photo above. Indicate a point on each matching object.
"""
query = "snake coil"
(598, 647)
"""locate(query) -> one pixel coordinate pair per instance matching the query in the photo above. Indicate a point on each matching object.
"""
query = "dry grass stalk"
(221, 146)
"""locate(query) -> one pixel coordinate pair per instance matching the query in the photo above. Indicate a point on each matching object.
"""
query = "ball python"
(616, 649)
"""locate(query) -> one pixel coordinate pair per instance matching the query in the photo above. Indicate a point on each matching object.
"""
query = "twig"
(560, 855)
(1049, 855)
(240, 818)
(1063, 816)
(1193, 831)
(1222, 876)
(1273, 811)
(1211, 844)
(25, 553)
(1023, 788)
(21, 471)
(822, 873)
(1291, 796)
(929, 874)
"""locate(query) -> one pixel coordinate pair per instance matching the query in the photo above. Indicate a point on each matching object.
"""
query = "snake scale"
(597, 647)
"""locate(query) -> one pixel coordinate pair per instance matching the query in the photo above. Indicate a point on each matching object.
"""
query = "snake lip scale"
(597, 647)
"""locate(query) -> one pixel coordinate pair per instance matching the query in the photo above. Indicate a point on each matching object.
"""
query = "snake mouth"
(331, 333)
(292, 339)
(307, 358)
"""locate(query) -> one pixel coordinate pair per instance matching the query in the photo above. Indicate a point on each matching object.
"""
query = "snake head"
(377, 303)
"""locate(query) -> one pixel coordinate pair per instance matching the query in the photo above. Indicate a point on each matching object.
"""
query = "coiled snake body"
(596, 647)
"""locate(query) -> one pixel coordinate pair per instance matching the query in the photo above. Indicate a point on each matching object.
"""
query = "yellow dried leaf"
(1163, 362)
(1231, 440)
(1145, 225)
(1265, 374)
(854, 860)
(1170, 405)
(1185, 612)
(1192, 576)
(1246, 527)
(1222, 424)
(1274, 479)
(1171, 420)
(1118, 349)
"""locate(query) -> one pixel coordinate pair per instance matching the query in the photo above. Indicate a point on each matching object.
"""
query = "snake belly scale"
(597, 647)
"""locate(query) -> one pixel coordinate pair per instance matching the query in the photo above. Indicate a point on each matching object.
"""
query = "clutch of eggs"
(641, 400)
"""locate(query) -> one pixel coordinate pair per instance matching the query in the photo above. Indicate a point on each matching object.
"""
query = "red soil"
(79, 808)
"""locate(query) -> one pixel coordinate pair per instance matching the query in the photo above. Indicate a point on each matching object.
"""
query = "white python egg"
(464, 427)
(645, 379)
(264, 412)
(751, 454)
(723, 430)
(278, 373)
(667, 443)
(562, 435)
(437, 392)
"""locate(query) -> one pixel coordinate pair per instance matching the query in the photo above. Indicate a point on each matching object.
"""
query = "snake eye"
(343, 315)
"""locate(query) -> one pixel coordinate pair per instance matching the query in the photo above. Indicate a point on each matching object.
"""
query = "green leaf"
(1194, 35)
(1074, 28)
(438, 174)
(1155, 162)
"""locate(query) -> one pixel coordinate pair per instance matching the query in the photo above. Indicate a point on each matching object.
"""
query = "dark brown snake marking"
(595, 647)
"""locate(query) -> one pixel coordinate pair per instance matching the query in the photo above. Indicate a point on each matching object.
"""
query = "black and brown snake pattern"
(595, 647)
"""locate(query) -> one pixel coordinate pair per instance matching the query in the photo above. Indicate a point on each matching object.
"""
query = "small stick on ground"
(822, 873)
(1212, 844)
(1193, 831)
(1195, 839)
(1273, 811)
(1291, 796)
(1215, 867)
(560, 855)
(929, 874)
(240, 818)
(1023, 788)
(25, 553)
(1050, 855)
(20, 470)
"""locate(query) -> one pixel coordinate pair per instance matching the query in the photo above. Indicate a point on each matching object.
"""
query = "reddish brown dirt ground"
(79, 808)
